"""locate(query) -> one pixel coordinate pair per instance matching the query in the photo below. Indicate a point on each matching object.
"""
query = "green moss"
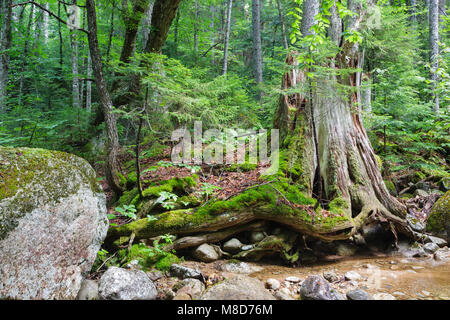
(176, 185)
(294, 160)
(141, 253)
(244, 167)
(338, 206)
(166, 261)
(379, 161)
(391, 187)
(354, 167)
(123, 180)
(128, 196)
(131, 180)
(439, 218)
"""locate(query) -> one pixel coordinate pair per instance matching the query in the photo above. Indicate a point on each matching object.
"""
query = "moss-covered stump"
(52, 223)
(439, 219)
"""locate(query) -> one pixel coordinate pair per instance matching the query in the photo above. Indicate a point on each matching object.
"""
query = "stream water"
(404, 278)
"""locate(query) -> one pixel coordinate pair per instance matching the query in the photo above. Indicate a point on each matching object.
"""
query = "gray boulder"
(122, 284)
(439, 241)
(421, 193)
(317, 288)
(188, 289)
(238, 288)
(52, 223)
(206, 253)
(239, 267)
(232, 246)
(415, 223)
(331, 276)
(430, 247)
(88, 291)
(358, 294)
(257, 236)
(184, 272)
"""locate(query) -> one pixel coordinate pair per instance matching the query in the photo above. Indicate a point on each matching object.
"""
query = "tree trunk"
(163, 14)
(89, 84)
(131, 20)
(61, 58)
(434, 50)
(412, 11)
(177, 22)
(227, 37)
(112, 163)
(257, 56)
(5, 45)
(212, 28)
(111, 33)
(45, 22)
(147, 24)
(196, 30)
(335, 154)
(310, 10)
(283, 26)
(25, 54)
(76, 103)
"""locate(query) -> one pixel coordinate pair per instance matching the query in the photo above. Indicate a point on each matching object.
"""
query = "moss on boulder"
(52, 223)
(439, 219)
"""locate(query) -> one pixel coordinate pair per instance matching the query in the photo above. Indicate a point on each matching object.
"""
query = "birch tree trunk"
(147, 23)
(76, 102)
(5, 45)
(227, 37)
(45, 23)
(434, 50)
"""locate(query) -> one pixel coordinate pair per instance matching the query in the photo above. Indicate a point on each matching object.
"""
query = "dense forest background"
(222, 63)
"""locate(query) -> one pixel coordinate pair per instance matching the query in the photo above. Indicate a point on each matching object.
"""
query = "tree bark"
(147, 24)
(196, 29)
(310, 10)
(163, 14)
(434, 50)
(112, 163)
(227, 37)
(5, 45)
(132, 20)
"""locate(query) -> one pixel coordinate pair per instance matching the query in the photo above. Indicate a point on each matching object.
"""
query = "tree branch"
(48, 11)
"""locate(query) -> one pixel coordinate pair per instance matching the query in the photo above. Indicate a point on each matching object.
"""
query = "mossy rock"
(52, 223)
(391, 187)
(439, 219)
(31, 177)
